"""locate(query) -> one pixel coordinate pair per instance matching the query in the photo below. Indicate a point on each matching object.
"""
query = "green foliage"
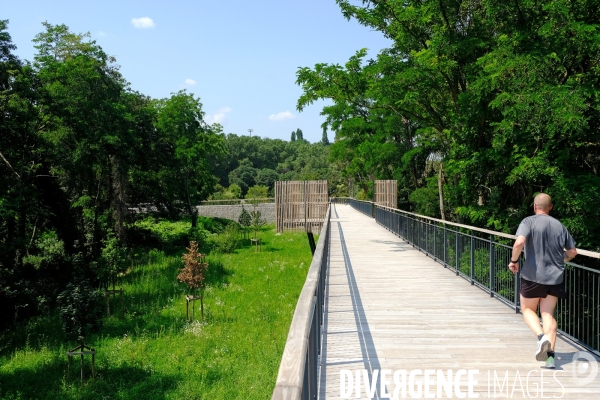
(235, 191)
(267, 177)
(426, 199)
(257, 192)
(500, 95)
(243, 176)
(148, 350)
(112, 260)
(257, 221)
(227, 241)
(80, 309)
(245, 220)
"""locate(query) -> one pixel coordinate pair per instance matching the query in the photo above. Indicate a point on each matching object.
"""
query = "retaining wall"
(233, 212)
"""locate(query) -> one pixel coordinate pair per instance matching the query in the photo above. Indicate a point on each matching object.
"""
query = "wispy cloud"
(282, 116)
(143, 23)
(217, 117)
(190, 82)
(102, 33)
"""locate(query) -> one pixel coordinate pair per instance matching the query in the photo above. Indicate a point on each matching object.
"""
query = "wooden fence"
(386, 193)
(300, 205)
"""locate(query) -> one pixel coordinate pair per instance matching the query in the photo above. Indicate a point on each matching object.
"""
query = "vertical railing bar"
(472, 259)
(456, 255)
(492, 265)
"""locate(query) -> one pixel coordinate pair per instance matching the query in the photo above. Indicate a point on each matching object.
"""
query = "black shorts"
(533, 290)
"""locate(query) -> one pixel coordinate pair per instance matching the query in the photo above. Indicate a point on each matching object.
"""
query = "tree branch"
(10, 166)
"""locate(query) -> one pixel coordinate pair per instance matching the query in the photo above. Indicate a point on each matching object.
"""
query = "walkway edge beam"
(297, 370)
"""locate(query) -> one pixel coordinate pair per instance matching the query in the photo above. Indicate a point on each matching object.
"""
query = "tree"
(80, 309)
(493, 94)
(257, 192)
(245, 220)
(325, 138)
(299, 134)
(244, 175)
(194, 271)
(267, 177)
(257, 221)
(293, 137)
(187, 145)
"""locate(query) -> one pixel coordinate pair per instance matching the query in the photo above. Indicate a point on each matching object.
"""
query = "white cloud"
(102, 33)
(143, 22)
(218, 117)
(282, 116)
(190, 82)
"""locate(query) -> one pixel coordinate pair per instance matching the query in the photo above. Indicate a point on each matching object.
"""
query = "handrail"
(298, 371)
(587, 253)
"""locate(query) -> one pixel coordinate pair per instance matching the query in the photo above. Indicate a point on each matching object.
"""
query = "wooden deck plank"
(388, 306)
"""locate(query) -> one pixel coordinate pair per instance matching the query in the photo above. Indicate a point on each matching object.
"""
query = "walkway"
(388, 306)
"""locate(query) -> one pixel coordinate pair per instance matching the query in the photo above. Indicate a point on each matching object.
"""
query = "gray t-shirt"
(546, 241)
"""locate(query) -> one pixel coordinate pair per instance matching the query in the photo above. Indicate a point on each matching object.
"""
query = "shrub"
(257, 192)
(227, 241)
(80, 309)
(194, 271)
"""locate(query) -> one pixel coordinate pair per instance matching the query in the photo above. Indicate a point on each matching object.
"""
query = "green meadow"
(148, 350)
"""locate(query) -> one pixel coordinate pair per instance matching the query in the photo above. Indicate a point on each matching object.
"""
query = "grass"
(148, 350)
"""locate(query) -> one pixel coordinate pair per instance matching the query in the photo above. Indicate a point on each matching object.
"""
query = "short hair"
(543, 201)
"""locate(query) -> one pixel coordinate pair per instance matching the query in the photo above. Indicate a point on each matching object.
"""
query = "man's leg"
(547, 306)
(529, 310)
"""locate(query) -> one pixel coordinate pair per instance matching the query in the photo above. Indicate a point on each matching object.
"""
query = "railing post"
(517, 288)
(472, 259)
(434, 242)
(492, 265)
(457, 255)
(445, 246)
(427, 238)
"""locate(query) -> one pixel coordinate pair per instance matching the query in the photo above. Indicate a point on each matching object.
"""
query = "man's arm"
(570, 254)
(516, 253)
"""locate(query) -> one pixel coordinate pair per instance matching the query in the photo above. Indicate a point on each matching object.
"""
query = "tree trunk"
(441, 191)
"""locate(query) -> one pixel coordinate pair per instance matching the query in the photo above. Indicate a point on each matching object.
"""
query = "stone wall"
(233, 212)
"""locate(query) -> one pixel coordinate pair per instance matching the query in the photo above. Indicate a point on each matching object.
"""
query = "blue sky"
(239, 57)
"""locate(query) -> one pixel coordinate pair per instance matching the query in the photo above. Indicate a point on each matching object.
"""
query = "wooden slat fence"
(300, 205)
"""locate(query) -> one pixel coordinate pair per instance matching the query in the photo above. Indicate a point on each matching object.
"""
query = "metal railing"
(365, 207)
(481, 257)
(299, 369)
(340, 200)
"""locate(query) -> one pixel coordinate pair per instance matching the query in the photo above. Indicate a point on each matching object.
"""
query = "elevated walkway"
(390, 307)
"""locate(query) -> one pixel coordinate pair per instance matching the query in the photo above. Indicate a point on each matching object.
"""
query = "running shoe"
(550, 363)
(542, 349)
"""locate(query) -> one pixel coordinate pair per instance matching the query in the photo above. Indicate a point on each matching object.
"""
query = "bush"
(257, 192)
(169, 235)
(80, 309)
(227, 241)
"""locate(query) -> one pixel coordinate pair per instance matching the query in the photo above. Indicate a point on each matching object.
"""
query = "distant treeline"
(253, 161)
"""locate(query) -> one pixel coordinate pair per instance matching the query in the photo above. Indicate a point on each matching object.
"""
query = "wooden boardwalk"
(390, 307)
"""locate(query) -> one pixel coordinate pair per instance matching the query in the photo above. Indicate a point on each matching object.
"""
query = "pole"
(250, 130)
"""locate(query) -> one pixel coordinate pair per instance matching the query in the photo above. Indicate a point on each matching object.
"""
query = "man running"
(545, 240)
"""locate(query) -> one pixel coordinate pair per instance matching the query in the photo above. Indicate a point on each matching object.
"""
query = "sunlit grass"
(148, 350)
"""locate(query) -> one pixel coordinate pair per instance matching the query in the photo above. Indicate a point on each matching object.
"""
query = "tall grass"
(148, 350)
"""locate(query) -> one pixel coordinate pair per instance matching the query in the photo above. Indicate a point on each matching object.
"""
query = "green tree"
(267, 177)
(189, 144)
(299, 134)
(293, 137)
(325, 138)
(244, 175)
